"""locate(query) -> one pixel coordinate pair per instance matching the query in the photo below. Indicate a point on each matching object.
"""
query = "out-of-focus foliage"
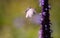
(11, 9)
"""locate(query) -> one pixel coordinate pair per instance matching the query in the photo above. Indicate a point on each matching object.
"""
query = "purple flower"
(40, 33)
(44, 13)
(41, 2)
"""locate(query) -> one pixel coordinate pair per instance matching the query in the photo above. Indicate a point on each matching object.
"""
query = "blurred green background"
(11, 9)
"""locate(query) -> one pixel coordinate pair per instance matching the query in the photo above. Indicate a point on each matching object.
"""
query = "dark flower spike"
(46, 31)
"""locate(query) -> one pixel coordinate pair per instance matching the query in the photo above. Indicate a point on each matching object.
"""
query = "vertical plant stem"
(45, 29)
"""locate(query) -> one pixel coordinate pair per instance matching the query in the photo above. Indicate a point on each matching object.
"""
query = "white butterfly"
(30, 12)
(33, 16)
